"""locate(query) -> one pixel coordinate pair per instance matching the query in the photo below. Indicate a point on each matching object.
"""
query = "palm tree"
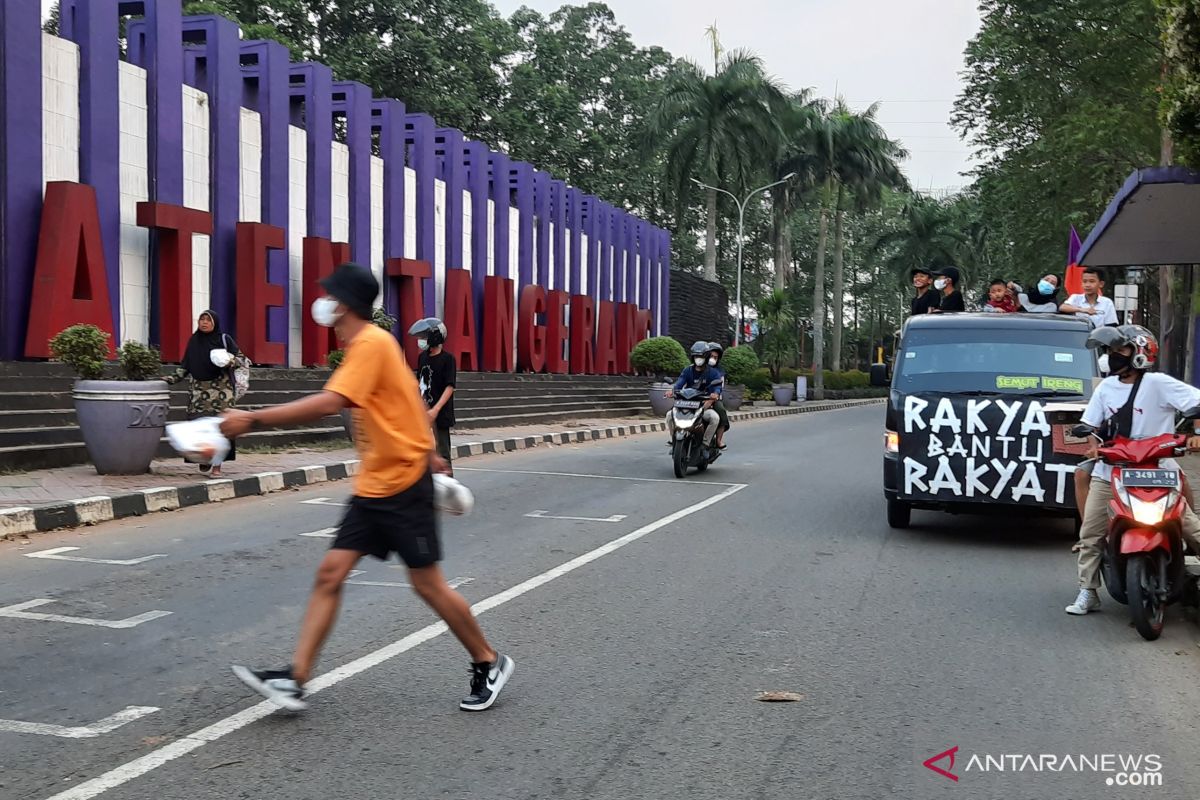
(796, 117)
(776, 322)
(716, 129)
(928, 235)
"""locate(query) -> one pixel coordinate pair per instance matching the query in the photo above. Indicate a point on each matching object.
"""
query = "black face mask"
(1118, 363)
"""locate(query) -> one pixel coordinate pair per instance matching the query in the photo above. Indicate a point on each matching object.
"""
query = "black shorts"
(443, 443)
(405, 523)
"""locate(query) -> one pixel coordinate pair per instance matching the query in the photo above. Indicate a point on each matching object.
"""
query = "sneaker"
(487, 679)
(1088, 600)
(277, 685)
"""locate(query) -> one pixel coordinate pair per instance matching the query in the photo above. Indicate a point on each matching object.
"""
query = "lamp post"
(741, 204)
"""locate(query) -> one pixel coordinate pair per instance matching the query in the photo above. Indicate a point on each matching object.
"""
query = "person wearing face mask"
(947, 281)
(1137, 404)
(926, 299)
(1042, 299)
(436, 374)
(714, 361)
(392, 508)
(210, 389)
(708, 380)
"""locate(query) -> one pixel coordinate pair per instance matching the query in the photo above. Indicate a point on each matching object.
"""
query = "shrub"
(740, 364)
(139, 362)
(660, 355)
(788, 375)
(83, 348)
(334, 359)
(759, 382)
(384, 320)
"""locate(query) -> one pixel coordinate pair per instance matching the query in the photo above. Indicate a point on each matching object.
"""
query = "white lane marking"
(55, 554)
(546, 515)
(675, 481)
(322, 501)
(19, 611)
(106, 725)
(454, 583)
(235, 722)
(324, 533)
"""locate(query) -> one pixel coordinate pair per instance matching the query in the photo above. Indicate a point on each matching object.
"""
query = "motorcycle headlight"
(891, 442)
(1149, 512)
(685, 422)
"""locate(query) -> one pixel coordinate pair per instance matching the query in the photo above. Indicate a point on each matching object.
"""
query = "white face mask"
(422, 344)
(939, 284)
(712, 362)
(324, 312)
(1103, 363)
(698, 361)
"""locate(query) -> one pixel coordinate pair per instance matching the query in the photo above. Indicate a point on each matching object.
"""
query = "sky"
(907, 54)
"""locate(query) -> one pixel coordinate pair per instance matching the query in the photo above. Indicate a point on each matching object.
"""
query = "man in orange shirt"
(392, 507)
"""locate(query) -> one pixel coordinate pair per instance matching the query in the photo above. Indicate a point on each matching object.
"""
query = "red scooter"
(1142, 560)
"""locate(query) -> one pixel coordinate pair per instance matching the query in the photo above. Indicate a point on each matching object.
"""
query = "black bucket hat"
(355, 286)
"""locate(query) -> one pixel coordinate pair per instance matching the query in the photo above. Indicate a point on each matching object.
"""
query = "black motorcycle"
(687, 450)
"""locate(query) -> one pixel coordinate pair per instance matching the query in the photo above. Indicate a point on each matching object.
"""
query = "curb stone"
(21, 521)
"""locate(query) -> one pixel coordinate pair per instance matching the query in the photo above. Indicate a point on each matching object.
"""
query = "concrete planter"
(733, 397)
(122, 423)
(659, 404)
(784, 392)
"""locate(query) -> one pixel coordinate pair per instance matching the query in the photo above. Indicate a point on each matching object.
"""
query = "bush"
(334, 359)
(139, 362)
(740, 364)
(382, 319)
(759, 382)
(788, 375)
(850, 379)
(83, 348)
(660, 355)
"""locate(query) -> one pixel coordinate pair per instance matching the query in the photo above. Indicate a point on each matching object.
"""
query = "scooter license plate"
(687, 403)
(1150, 478)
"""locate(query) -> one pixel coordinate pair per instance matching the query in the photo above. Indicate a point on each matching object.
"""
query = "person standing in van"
(926, 299)
(947, 281)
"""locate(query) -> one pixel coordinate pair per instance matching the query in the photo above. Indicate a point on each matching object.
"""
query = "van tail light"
(891, 443)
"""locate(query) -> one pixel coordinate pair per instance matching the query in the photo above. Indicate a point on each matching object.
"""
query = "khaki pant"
(711, 423)
(1095, 528)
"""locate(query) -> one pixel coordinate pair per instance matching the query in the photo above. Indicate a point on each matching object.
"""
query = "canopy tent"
(1154, 219)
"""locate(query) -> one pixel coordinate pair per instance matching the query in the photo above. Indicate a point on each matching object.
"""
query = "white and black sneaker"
(487, 679)
(277, 685)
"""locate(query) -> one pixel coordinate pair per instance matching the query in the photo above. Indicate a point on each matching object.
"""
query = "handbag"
(239, 371)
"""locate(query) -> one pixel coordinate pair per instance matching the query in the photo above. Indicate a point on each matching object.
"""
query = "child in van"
(1000, 298)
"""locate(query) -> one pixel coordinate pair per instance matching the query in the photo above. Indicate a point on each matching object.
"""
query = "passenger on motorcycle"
(700, 375)
(1132, 351)
(714, 361)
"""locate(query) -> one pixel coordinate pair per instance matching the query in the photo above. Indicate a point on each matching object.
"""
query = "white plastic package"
(199, 440)
(220, 357)
(451, 496)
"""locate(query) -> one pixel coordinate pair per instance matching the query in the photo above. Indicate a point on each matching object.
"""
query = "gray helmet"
(431, 328)
(715, 347)
(700, 349)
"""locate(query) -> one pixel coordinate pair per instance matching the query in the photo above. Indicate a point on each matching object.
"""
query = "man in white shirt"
(1092, 305)
(1131, 350)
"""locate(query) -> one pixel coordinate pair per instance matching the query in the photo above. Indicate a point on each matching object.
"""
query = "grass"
(324, 446)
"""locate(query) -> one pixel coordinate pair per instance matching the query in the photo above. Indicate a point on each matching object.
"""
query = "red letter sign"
(497, 324)
(461, 340)
(255, 294)
(626, 323)
(556, 333)
(410, 275)
(606, 340)
(531, 337)
(320, 257)
(175, 226)
(70, 286)
(583, 330)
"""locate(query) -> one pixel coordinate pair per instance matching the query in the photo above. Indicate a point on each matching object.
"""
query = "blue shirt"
(708, 380)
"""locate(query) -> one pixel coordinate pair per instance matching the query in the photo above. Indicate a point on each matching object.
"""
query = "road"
(642, 635)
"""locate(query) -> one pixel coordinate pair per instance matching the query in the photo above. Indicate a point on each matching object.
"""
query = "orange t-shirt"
(391, 423)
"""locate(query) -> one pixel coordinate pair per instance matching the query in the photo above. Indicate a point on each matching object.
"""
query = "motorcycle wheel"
(679, 456)
(1112, 582)
(1141, 581)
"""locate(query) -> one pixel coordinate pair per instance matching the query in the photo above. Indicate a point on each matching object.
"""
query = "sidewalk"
(71, 496)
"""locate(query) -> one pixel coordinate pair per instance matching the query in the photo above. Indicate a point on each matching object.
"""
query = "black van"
(979, 414)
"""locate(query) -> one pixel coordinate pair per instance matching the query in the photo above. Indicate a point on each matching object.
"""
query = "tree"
(715, 128)
(1181, 94)
(926, 235)
(796, 118)
(776, 323)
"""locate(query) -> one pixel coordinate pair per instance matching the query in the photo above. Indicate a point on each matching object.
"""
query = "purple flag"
(1074, 247)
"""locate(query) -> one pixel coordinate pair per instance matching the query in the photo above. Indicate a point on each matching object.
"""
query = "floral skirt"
(211, 399)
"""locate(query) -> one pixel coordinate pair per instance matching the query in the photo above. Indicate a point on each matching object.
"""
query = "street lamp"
(741, 204)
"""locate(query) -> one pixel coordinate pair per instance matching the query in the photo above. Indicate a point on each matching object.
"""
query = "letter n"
(497, 324)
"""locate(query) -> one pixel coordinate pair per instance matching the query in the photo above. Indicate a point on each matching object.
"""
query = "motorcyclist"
(1155, 398)
(709, 380)
(714, 360)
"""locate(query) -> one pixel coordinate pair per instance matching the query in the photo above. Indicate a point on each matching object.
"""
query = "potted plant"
(777, 321)
(664, 358)
(122, 421)
(379, 318)
(739, 364)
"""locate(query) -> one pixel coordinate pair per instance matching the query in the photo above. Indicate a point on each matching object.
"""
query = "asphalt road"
(638, 665)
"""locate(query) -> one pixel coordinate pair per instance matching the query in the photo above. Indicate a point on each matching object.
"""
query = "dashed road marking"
(55, 554)
(106, 725)
(19, 611)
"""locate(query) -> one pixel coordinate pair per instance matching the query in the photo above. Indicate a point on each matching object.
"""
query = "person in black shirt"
(926, 299)
(437, 373)
(947, 282)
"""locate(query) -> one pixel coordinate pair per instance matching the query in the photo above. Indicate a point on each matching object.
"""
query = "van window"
(1032, 362)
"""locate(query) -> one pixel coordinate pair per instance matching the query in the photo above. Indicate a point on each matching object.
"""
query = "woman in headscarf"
(1040, 299)
(210, 389)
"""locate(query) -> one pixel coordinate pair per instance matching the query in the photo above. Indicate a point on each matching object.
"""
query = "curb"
(93, 510)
